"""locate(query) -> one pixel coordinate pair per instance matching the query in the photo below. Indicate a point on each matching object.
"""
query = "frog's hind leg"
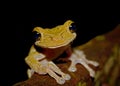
(55, 72)
(82, 55)
(79, 57)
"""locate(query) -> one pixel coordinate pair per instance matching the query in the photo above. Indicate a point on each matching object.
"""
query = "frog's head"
(58, 36)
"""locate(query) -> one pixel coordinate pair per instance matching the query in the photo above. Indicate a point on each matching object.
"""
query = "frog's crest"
(58, 36)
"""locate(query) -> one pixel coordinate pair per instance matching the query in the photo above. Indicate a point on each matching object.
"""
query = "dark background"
(89, 23)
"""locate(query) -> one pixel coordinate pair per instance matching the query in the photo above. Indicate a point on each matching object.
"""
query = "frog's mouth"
(54, 44)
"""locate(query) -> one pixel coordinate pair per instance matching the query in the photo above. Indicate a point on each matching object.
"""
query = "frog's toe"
(96, 64)
(61, 81)
(30, 72)
(72, 69)
(93, 63)
(67, 77)
(92, 73)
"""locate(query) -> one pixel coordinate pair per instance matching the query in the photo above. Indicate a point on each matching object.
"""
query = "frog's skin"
(54, 42)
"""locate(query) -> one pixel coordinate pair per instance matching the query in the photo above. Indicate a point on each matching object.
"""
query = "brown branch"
(99, 49)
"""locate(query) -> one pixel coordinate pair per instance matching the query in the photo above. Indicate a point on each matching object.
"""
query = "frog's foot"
(30, 72)
(57, 74)
(81, 54)
(79, 57)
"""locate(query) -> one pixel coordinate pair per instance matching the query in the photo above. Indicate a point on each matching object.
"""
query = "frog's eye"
(72, 27)
(36, 35)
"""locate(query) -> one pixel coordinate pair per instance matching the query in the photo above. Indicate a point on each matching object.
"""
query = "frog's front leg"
(44, 66)
(33, 61)
(39, 64)
(79, 57)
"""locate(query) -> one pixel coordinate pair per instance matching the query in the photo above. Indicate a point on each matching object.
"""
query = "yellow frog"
(52, 43)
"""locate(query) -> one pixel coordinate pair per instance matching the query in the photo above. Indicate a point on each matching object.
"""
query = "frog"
(49, 45)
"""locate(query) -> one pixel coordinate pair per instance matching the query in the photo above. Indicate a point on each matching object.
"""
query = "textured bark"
(99, 49)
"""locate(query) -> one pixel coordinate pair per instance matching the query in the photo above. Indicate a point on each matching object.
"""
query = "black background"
(90, 23)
